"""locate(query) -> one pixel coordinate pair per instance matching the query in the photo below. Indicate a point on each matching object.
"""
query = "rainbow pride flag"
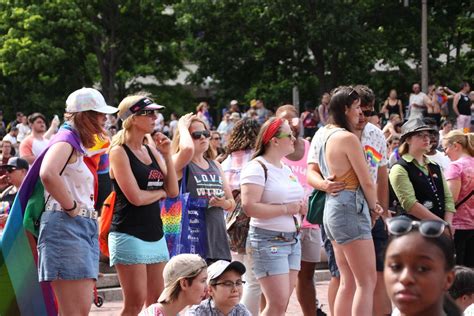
(372, 155)
(20, 291)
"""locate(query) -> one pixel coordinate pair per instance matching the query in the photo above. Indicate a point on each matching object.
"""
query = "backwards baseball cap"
(16, 163)
(142, 104)
(216, 269)
(180, 267)
(88, 99)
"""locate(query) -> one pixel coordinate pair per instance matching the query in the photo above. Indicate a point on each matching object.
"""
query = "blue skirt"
(127, 249)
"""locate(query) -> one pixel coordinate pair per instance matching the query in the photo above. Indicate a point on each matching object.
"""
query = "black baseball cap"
(17, 163)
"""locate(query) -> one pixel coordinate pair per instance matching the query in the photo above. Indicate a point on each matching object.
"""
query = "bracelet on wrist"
(74, 205)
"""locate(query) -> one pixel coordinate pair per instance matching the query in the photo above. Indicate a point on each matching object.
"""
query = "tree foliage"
(264, 47)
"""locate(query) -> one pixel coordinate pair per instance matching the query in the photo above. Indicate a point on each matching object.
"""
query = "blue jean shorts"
(346, 217)
(128, 249)
(273, 252)
(68, 247)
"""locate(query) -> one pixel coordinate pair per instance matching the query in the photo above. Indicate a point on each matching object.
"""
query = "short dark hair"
(367, 96)
(33, 117)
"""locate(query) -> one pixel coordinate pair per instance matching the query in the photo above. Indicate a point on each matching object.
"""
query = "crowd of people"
(246, 243)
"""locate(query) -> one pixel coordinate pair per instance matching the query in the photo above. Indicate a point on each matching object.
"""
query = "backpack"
(105, 221)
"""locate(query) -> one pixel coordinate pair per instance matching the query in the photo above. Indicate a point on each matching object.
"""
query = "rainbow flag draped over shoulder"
(20, 291)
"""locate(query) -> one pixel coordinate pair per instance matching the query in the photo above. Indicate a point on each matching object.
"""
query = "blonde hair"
(119, 138)
(465, 140)
(210, 154)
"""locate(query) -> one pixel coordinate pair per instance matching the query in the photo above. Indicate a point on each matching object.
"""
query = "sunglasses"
(354, 95)
(284, 135)
(368, 113)
(198, 134)
(398, 226)
(145, 113)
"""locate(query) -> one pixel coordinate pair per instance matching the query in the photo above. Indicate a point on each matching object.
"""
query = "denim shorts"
(68, 247)
(127, 249)
(346, 217)
(273, 252)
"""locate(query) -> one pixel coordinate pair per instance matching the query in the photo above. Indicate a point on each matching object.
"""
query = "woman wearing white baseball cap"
(68, 248)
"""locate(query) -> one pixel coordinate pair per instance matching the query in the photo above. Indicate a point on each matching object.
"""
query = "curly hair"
(243, 135)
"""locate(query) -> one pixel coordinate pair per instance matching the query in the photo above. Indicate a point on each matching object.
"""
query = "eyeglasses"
(145, 113)
(198, 134)
(284, 135)
(230, 285)
(10, 169)
(398, 226)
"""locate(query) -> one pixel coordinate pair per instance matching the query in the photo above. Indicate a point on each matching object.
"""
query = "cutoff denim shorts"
(273, 252)
(128, 249)
(346, 217)
(68, 247)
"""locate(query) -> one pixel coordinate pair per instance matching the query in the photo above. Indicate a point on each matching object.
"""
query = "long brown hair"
(210, 154)
(87, 126)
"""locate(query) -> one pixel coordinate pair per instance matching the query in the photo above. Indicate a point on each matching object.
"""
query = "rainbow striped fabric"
(21, 293)
(372, 155)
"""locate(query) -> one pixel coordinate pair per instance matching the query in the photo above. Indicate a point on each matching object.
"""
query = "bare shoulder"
(116, 151)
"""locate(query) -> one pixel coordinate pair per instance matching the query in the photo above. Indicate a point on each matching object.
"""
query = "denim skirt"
(68, 247)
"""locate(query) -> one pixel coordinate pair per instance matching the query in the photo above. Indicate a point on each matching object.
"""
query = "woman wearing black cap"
(418, 183)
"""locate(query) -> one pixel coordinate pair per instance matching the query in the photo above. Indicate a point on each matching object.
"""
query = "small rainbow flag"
(372, 155)
(21, 293)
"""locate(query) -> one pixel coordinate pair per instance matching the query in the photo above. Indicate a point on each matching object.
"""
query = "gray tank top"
(205, 183)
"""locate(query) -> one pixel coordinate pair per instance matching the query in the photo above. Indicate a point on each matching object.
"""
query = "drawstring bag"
(105, 221)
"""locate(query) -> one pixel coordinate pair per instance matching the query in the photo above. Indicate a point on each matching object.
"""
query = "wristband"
(72, 208)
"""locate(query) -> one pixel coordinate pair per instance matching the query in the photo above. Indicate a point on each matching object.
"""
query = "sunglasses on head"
(145, 113)
(398, 226)
(198, 134)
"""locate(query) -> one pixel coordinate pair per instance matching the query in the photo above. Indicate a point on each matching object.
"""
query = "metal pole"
(424, 45)
(296, 98)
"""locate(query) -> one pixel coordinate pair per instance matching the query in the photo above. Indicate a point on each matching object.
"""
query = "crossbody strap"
(467, 197)
(61, 173)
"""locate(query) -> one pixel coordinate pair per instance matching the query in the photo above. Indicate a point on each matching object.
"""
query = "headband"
(271, 130)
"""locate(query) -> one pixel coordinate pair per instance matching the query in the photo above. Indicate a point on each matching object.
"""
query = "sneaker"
(319, 312)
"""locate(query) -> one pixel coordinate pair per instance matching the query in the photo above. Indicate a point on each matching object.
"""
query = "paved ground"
(113, 308)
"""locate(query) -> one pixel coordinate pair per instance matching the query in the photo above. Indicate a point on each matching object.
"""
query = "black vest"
(429, 189)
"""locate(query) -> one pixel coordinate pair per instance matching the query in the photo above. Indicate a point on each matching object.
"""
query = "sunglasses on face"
(368, 113)
(145, 113)
(398, 226)
(198, 134)
(284, 135)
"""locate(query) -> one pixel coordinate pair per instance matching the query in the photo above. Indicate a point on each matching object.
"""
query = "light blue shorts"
(346, 217)
(273, 252)
(68, 247)
(127, 249)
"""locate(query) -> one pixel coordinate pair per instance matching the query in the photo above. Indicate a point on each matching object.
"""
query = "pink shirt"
(299, 169)
(463, 169)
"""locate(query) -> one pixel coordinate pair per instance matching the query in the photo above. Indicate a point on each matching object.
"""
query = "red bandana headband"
(272, 130)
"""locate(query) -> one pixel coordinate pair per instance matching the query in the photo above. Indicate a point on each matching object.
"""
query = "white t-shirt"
(375, 148)
(441, 159)
(281, 187)
(416, 99)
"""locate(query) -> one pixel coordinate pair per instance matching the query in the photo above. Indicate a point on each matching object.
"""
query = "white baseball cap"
(88, 99)
(216, 269)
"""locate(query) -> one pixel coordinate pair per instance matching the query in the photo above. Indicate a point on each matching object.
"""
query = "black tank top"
(464, 105)
(393, 109)
(144, 221)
